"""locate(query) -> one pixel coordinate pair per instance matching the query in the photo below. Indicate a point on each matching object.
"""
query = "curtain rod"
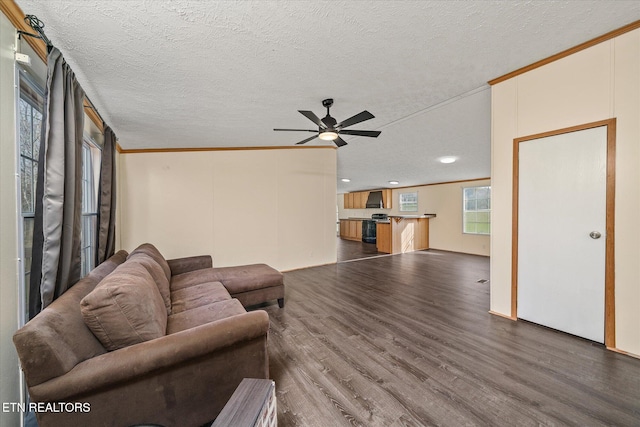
(38, 26)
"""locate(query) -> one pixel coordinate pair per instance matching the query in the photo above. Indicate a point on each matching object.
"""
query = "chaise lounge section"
(250, 284)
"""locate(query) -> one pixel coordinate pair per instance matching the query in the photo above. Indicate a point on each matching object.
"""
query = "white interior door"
(561, 201)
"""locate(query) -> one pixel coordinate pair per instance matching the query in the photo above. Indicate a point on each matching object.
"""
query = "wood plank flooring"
(406, 340)
(349, 250)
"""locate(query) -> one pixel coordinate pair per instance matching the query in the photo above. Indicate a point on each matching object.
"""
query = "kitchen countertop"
(413, 216)
(354, 218)
(387, 221)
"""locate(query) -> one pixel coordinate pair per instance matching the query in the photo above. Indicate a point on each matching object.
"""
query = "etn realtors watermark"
(46, 407)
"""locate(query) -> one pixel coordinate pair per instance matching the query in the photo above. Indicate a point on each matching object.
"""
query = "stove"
(369, 227)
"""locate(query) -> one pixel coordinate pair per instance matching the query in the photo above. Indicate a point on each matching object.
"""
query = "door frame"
(609, 279)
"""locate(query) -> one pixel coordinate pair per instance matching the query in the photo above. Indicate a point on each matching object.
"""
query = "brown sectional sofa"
(142, 340)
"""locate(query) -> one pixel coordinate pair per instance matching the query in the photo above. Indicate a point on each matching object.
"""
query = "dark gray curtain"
(56, 250)
(107, 202)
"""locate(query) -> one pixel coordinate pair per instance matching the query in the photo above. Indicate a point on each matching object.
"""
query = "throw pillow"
(153, 252)
(157, 274)
(125, 308)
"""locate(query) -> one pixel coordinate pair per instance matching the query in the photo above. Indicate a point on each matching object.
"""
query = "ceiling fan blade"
(339, 142)
(311, 116)
(304, 141)
(360, 117)
(370, 133)
(297, 130)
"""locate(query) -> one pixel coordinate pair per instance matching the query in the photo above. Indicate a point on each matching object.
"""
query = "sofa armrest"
(185, 265)
(125, 365)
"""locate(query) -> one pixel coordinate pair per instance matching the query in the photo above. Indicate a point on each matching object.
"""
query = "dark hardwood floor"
(406, 340)
(349, 250)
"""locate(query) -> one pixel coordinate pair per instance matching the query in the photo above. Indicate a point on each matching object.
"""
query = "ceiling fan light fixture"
(328, 136)
(329, 129)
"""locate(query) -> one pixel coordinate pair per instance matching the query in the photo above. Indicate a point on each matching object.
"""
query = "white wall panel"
(626, 105)
(241, 206)
(598, 83)
(503, 127)
(9, 281)
(553, 96)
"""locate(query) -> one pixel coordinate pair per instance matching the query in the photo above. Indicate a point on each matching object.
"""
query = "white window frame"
(91, 156)
(405, 202)
(474, 215)
(25, 266)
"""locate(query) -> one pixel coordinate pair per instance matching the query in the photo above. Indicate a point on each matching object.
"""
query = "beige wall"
(9, 263)
(240, 206)
(598, 83)
(445, 231)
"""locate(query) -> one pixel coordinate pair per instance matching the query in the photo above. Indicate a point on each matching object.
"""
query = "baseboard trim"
(626, 353)
(495, 313)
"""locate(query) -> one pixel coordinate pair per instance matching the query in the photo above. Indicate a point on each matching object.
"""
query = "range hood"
(374, 200)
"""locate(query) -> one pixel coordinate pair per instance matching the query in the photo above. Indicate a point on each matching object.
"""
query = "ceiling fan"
(329, 129)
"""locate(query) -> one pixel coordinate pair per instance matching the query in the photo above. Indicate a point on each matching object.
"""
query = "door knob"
(595, 235)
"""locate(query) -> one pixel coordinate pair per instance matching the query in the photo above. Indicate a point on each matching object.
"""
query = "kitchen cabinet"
(348, 201)
(358, 199)
(351, 229)
(387, 198)
(383, 237)
(364, 195)
(344, 228)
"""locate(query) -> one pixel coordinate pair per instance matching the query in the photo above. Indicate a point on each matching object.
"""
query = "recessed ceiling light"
(447, 159)
(394, 182)
(345, 180)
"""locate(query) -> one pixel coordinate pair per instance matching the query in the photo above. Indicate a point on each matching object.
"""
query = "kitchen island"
(403, 233)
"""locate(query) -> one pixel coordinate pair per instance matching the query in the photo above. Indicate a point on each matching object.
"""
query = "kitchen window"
(409, 202)
(476, 210)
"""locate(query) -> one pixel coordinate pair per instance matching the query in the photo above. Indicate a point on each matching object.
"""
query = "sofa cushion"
(157, 274)
(204, 314)
(235, 279)
(125, 308)
(153, 252)
(57, 339)
(249, 277)
(198, 295)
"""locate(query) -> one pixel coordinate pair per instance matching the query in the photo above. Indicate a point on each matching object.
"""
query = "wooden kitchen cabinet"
(358, 200)
(348, 200)
(383, 237)
(351, 229)
(364, 195)
(387, 198)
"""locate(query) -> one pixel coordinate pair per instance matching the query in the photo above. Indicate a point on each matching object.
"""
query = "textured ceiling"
(180, 73)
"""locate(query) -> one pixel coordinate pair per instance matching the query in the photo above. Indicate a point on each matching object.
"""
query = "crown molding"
(608, 36)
